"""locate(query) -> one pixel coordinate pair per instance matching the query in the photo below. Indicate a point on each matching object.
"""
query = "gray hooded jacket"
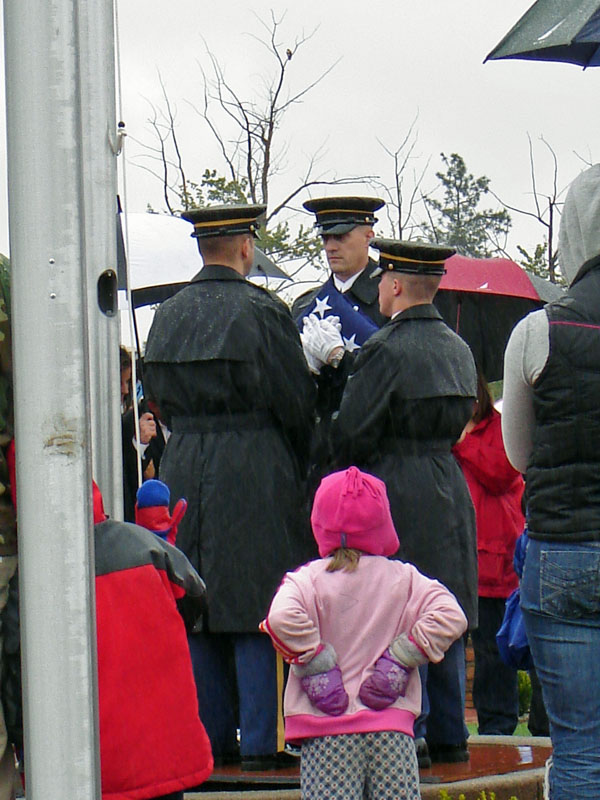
(528, 347)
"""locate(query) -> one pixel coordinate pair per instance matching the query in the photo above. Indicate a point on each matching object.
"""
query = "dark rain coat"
(405, 404)
(225, 366)
(364, 293)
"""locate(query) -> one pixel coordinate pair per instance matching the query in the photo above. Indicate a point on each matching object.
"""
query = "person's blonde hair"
(421, 288)
(345, 558)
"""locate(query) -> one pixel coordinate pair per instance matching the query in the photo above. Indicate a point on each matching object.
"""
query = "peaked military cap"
(338, 215)
(224, 220)
(413, 258)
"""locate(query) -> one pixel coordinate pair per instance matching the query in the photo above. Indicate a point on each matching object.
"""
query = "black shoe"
(226, 758)
(423, 757)
(448, 753)
(269, 762)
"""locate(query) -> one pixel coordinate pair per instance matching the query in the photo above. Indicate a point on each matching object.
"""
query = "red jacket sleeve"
(482, 453)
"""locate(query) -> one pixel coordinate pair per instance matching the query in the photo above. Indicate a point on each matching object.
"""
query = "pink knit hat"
(351, 509)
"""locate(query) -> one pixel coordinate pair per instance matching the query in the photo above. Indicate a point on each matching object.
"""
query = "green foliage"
(281, 244)
(457, 220)
(524, 686)
(213, 189)
(4, 288)
(496, 388)
(537, 262)
(482, 796)
(277, 241)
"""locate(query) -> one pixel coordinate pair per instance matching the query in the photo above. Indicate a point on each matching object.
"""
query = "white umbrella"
(162, 258)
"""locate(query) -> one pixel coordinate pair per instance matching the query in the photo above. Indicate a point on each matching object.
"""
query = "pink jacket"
(359, 613)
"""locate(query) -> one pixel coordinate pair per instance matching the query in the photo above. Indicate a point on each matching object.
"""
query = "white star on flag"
(321, 306)
(350, 345)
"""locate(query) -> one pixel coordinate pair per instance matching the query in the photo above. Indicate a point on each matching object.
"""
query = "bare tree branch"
(248, 134)
(173, 135)
(429, 217)
(589, 161)
(307, 184)
(544, 213)
(401, 204)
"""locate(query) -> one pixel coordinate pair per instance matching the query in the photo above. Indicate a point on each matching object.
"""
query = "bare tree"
(404, 194)
(247, 132)
(546, 210)
(165, 156)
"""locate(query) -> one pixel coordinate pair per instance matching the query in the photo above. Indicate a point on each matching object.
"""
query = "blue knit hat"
(153, 493)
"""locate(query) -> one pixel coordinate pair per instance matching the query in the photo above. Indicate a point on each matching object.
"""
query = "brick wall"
(470, 659)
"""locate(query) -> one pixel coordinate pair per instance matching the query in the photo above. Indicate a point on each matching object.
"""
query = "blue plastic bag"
(512, 638)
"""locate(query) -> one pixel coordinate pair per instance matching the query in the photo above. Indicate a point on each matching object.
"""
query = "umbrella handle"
(458, 307)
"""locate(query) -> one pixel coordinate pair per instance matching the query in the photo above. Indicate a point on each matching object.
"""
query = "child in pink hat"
(354, 626)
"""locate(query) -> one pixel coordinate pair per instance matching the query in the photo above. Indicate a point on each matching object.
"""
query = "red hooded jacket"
(496, 489)
(152, 741)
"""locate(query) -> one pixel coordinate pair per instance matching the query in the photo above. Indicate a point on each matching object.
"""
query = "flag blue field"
(356, 326)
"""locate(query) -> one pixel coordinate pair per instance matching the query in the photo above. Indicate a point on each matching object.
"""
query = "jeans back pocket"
(570, 583)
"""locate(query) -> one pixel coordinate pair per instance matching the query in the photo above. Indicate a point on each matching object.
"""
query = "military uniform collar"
(217, 272)
(424, 311)
(364, 287)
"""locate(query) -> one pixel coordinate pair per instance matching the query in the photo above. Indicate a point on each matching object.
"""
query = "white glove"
(335, 320)
(314, 364)
(321, 337)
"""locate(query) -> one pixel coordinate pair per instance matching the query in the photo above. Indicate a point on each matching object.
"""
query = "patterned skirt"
(360, 766)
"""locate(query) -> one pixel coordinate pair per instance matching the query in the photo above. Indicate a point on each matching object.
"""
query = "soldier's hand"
(314, 364)
(321, 337)
(147, 428)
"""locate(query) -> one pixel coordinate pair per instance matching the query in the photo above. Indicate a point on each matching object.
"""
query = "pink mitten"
(391, 673)
(386, 684)
(322, 681)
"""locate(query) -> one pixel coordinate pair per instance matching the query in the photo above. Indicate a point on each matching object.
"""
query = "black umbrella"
(482, 299)
(555, 30)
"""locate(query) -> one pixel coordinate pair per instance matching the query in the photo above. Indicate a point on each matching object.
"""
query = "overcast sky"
(397, 60)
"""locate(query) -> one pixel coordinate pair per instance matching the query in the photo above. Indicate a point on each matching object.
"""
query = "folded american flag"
(356, 325)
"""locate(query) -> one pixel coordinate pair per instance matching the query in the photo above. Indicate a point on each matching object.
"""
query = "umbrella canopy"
(163, 258)
(483, 299)
(555, 30)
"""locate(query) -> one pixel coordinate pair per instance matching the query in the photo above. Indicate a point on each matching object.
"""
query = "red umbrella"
(482, 299)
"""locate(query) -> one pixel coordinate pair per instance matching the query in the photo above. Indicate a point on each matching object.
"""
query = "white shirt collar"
(344, 286)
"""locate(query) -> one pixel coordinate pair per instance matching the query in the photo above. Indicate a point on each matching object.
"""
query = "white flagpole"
(99, 191)
(50, 261)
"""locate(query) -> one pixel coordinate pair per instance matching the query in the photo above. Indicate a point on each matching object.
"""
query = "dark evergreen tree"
(458, 220)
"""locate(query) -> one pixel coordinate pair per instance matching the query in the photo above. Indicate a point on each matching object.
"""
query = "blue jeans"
(442, 718)
(236, 681)
(560, 598)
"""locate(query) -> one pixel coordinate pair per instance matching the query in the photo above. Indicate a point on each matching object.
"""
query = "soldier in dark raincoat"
(345, 224)
(225, 366)
(408, 398)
